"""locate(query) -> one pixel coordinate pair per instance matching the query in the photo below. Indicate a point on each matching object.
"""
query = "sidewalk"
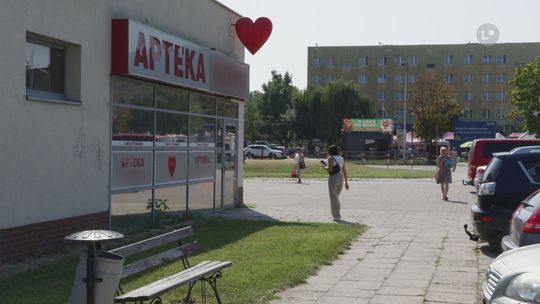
(415, 250)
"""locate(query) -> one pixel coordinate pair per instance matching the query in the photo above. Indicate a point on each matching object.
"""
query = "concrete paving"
(414, 251)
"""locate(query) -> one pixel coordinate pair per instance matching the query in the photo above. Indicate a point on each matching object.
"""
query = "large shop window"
(168, 143)
(53, 70)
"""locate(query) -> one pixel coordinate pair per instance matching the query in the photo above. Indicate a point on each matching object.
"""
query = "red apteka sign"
(145, 52)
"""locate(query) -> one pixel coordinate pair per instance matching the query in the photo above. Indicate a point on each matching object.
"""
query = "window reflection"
(44, 68)
(203, 104)
(202, 132)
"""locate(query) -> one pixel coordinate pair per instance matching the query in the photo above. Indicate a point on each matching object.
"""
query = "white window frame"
(486, 114)
(413, 60)
(486, 96)
(501, 59)
(363, 61)
(398, 60)
(469, 59)
(468, 96)
(486, 77)
(449, 59)
(486, 59)
(362, 78)
(317, 62)
(381, 79)
(449, 78)
(501, 114)
(381, 96)
(501, 78)
(468, 78)
(500, 96)
(382, 61)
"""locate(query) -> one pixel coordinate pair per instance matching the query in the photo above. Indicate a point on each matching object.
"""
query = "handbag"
(293, 173)
(302, 163)
(335, 168)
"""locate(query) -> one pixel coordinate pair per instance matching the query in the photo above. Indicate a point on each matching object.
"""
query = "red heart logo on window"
(172, 164)
(253, 35)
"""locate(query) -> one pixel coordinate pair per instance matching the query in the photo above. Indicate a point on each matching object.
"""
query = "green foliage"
(434, 107)
(160, 206)
(525, 95)
(283, 113)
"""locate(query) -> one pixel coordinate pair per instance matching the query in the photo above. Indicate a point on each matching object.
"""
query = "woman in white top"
(335, 180)
(298, 156)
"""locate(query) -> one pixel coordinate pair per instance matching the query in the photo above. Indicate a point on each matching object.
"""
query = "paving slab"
(414, 251)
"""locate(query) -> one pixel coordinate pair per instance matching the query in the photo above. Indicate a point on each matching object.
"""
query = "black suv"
(508, 179)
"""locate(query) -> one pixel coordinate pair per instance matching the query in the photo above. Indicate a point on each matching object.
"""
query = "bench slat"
(164, 285)
(159, 258)
(150, 243)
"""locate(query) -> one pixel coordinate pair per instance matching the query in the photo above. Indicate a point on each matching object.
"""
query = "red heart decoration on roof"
(253, 35)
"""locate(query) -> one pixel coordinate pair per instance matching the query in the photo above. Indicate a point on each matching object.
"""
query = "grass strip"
(267, 256)
(355, 169)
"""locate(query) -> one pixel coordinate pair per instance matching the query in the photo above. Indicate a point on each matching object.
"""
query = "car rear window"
(532, 167)
(492, 170)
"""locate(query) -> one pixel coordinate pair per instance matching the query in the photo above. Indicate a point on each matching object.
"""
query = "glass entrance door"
(230, 150)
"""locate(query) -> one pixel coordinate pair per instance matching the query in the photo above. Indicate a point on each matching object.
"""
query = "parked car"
(509, 178)
(525, 224)
(261, 151)
(513, 277)
(482, 151)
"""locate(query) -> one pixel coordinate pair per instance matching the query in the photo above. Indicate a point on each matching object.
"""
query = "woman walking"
(337, 174)
(298, 159)
(443, 175)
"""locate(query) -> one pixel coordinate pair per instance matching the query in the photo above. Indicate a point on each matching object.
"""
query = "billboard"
(367, 125)
(469, 130)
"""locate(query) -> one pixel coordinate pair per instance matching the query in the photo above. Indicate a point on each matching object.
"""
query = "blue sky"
(298, 24)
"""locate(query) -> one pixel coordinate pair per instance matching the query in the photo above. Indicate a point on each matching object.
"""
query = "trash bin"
(108, 269)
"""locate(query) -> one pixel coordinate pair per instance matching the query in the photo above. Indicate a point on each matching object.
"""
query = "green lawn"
(355, 169)
(267, 257)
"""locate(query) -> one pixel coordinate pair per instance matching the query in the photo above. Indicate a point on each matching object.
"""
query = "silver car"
(525, 224)
(513, 277)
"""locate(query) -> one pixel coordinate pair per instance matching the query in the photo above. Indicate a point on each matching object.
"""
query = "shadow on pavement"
(457, 202)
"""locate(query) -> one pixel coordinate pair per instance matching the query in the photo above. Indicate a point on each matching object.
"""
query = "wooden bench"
(207, 271)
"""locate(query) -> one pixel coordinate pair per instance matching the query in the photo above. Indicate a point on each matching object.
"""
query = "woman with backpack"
(337, 174)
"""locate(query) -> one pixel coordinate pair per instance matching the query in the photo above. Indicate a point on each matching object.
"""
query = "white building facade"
(122, 103)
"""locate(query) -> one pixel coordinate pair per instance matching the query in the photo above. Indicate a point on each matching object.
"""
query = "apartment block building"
(479, 73)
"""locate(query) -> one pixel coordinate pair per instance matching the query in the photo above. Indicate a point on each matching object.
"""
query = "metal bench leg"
(191, 285)
(212, 280)
(155, 301)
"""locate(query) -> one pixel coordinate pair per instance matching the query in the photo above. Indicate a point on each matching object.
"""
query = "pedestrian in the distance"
(337, 174)
(298, 159)
(455, 158)
(443, 173)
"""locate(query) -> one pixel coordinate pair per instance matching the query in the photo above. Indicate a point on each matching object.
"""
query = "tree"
(434, 108)
(341, 99)
(525, 95)
(270, 114)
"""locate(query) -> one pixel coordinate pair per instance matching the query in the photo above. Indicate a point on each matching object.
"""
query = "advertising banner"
(367, 125)
(131, 169)
(171, 167)
(469, 130)
(201, 164)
